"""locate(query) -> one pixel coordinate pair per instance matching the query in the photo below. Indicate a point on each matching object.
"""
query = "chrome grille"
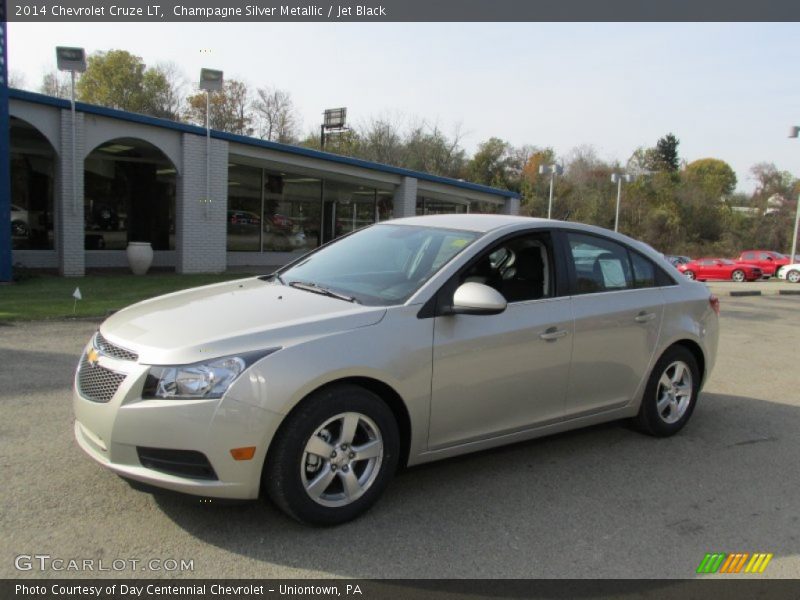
(96, 383)
(109, 349)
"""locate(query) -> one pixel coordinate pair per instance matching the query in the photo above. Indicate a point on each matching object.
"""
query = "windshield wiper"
(318, 289)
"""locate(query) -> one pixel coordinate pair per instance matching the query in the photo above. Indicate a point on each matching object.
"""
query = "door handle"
(644, 317)
(552, 334)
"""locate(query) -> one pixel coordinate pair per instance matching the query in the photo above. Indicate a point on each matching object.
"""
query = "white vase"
(140, 257)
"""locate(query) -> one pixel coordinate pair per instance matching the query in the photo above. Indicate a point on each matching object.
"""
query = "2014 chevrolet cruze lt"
(405, 342)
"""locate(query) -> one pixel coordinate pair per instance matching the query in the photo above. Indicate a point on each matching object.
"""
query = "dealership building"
(84, 185)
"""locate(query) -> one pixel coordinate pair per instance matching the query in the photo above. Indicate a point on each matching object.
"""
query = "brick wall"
(405, 198)
(69, 202)
(200, 236)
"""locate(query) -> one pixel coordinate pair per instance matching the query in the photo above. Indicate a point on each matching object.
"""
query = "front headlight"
(204, 380)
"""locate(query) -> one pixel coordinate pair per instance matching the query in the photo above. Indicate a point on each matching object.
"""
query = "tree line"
(675, 206)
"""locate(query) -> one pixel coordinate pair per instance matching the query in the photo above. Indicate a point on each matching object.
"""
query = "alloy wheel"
(342, 459)
(674, 393)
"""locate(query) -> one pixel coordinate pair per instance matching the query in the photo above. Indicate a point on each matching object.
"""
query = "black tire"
(650, 420)
(284, 468)
(689, 275)
(793, 276)
(738, 275)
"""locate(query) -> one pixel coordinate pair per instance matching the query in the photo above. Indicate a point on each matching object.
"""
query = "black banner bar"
(732, 588)
(134, 11)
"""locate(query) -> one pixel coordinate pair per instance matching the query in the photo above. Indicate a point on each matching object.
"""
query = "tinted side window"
(520, 268)
(600, 265)
(644, 272)
(749, 256)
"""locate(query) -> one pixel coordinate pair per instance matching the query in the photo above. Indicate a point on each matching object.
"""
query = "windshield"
(380, 265)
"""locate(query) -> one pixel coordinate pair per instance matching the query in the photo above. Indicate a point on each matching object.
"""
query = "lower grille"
(97, 383)
(183, 463)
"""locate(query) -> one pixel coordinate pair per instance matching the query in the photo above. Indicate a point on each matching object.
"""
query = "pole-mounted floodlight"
(72, 60)
(618, 178)
(554, 170)
(210, 81)
(334, 119)
(794, 132)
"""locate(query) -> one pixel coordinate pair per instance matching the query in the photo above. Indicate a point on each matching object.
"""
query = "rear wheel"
(671, 393)
(738, 275)
(333, 457)
(793, 276)
(689, 274)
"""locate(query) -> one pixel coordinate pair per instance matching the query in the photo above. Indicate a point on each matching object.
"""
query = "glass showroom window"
(429, 206)
(32, 180)
(244, 208)
(292, 212)
(353, 206)
(129, 196)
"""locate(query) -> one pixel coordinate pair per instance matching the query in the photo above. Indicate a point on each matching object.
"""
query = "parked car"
(19, 221)
(676, 260)
(703, 269)
(790, 272)
(243, 217)
(768, 261)
(405, 342)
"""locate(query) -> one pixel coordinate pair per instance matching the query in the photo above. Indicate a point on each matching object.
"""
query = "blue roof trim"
(249, 141)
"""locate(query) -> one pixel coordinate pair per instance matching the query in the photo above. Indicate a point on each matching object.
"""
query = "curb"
(789, 292)
(745, 293)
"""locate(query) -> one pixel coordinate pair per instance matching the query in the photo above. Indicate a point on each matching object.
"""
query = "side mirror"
(473, 298)
(770, 258)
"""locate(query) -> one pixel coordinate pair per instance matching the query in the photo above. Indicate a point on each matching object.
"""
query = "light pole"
(554, 170)
(74, 61)
(210, 81)
(618, 179)
(794, 132)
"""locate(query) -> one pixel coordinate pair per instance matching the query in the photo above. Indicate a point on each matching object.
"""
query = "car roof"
(469, 222)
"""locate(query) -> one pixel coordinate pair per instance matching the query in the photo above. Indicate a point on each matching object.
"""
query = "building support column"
(69, 222)
(511, 206)
(200, 222)
(405, 198)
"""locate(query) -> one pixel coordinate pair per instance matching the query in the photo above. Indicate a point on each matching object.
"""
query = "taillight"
(714, 302)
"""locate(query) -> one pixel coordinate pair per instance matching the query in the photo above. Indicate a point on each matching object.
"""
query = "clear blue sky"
(729, 91)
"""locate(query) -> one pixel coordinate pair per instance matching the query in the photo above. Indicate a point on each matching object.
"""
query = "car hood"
(229, 318)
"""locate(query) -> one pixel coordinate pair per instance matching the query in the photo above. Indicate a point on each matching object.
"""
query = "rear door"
(618, 310)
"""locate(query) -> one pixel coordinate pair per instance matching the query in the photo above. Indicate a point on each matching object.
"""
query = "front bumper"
(110, 433)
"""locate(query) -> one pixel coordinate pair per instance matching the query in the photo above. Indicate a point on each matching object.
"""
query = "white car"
(402, 343)
(790, 272)
(19, 221)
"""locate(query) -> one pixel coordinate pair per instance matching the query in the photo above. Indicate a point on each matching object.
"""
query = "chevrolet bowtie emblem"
(92, 357)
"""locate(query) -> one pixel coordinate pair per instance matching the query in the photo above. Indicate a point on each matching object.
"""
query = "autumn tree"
(56, 84)
(230, 108)
(275, 115)
(491, 163)
(118, 79)
(714, 176)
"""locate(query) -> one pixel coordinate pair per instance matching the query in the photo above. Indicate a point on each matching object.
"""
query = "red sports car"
(767, 260)
(720, 268)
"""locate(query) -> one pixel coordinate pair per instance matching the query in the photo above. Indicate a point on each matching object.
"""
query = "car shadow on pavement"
(598, 502)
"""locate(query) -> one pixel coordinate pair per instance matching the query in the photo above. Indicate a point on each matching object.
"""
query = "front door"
(503, 373)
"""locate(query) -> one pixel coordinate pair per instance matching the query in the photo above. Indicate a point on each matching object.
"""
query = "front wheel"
(333, 457)
(671, 393)
(793, 276)
(738, 275)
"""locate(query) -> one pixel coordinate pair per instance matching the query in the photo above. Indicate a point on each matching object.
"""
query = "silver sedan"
(402, 343)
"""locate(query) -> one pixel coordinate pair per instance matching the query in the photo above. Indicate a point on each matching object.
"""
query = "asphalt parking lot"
(601, 502)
